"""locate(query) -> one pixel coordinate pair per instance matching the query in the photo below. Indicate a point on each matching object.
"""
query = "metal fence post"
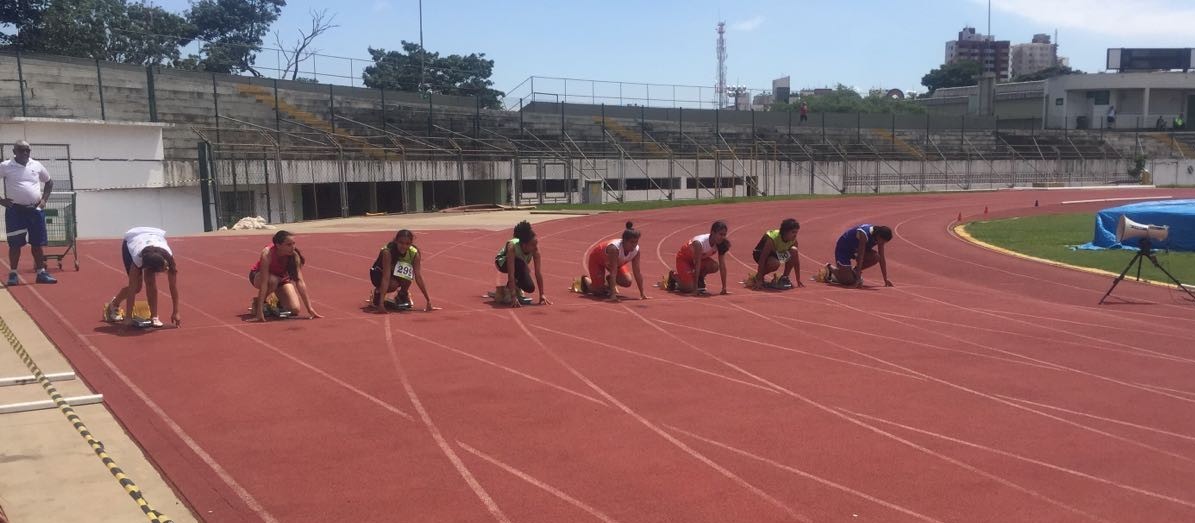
(265, 165)
(332, 107)
(99, 81)
(277, 115)
(21, 82)
(151, 93)
(205, 186)
(430, 109)
(460, 173)
(383, 93)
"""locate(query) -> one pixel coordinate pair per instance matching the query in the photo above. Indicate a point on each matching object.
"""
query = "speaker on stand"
(1128, 230)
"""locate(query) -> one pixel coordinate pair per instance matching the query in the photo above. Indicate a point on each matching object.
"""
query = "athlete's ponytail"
(630, 233)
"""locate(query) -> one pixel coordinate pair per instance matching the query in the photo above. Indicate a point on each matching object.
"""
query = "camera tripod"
(1145, 251)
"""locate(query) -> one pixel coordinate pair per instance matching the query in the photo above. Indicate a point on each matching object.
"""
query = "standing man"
(804, 112)
(24, 217)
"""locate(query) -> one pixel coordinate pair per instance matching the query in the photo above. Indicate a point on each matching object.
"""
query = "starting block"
(271, 310)
(391, 304)
(502, 295)
(141, 318)
(823, 274)
(775, 283)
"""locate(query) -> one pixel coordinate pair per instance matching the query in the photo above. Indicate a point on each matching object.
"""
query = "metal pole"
(517, 182)
(99, 80)
(671, 178)
(431, 108)
(21, 81)
(858, 127)
(561, 122)
(216, 106)
(460, 173)
(569, 186)
(265, 164)
(823, 127)
(332, 107)
(277, 116)
(894, 129)
(422, 52)
(383, 92)
(962, 129)
(521, 119)
(642, 130)
(205, 185)
(152, 92)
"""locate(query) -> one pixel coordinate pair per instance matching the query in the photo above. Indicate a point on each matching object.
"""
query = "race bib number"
(783, 256)
(404, 270)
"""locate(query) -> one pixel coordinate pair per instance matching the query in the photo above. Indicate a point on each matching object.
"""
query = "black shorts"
(124, 255)
(755, 255)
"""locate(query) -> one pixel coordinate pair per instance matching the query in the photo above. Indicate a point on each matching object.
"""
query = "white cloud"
(1123, 18)
(749, 24)
(381, 6)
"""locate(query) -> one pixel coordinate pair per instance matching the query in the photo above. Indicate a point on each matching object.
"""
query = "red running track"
(981, 388)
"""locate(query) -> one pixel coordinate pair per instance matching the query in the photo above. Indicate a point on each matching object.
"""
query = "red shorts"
(685, 267)
(596, 261)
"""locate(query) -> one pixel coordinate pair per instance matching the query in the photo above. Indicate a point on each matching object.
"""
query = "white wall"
(108, 214)
(120, 179)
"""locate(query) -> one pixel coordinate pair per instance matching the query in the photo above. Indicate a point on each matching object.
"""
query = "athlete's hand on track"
(888, 283)
(543, 300)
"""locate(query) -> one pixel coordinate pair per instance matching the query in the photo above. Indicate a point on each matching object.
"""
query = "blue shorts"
(25, 225)
(845, 251)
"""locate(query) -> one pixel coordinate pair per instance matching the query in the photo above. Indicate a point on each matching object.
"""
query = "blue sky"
(861, 43)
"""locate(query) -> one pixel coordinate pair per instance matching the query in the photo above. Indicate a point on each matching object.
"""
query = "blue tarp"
(1178, 214)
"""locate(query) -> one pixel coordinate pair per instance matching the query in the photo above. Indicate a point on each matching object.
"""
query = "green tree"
(232, 32)
(17, 16)
(958, 74)
(450, 75)
(110, 30)
(846, 100)
(1049, 72)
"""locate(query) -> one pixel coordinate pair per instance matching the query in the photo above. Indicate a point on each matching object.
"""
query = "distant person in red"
(695, 259)
(279, 271)
(857, 249)
(607, 266)
(804, 112)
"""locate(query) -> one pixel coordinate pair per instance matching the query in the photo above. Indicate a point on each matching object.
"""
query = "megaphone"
(1127, 229)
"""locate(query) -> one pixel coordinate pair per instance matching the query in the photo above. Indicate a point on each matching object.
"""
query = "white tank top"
(138, 238)
(707, 250)
(623, 257)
